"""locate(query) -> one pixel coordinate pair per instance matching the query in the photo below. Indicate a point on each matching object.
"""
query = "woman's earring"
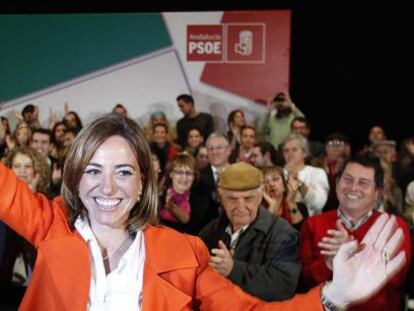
(139, 197)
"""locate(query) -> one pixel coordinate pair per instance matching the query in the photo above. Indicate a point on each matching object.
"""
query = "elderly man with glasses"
(218, 151)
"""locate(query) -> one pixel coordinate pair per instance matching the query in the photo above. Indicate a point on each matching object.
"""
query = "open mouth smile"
(107, 204)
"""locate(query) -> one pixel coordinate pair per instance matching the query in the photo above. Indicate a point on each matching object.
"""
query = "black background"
(350, 64)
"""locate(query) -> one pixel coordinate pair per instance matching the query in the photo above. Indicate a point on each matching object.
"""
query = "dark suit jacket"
(265, 261)
(205, 189)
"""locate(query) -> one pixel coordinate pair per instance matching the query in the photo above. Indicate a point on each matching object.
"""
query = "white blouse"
(121, 289)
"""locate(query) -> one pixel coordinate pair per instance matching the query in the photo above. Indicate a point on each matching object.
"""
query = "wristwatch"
(328, 304)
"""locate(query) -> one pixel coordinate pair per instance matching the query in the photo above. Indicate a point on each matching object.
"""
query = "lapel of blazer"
(66, 259)
(167, 255)
(210, 177)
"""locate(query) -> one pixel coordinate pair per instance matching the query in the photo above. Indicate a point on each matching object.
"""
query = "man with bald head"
(253, 248)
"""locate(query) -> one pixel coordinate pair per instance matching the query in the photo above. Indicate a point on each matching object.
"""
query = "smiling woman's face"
(111, 184)
(182, 178)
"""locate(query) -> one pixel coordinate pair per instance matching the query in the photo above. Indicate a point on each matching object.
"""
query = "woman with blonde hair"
(392, 201)
(20, 138)
(159, 117)
(29, 165)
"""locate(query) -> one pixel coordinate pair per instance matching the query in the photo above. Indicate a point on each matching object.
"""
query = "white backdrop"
(144, 84)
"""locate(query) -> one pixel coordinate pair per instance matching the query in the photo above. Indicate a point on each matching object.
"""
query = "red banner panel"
(257, 50)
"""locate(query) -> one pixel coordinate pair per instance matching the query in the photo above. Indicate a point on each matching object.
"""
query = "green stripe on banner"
(38, 51)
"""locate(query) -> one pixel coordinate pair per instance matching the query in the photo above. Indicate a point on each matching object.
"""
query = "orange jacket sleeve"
(29, 214)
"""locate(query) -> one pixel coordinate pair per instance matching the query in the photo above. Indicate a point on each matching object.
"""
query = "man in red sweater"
(359, 188)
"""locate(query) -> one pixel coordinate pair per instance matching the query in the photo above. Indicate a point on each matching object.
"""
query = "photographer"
(275, 124)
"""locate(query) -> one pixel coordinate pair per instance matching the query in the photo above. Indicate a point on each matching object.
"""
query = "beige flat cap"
(240, 177)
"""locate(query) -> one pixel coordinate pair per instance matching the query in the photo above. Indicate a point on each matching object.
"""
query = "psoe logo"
(205, 43)
(245, 43)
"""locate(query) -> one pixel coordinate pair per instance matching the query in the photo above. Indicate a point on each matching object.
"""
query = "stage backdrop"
(226, 60)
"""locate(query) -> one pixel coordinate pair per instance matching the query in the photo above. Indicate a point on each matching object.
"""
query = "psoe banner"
(226, 60)
(226, 43)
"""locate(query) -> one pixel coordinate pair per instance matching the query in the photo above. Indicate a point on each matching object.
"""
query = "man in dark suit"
(219, 150)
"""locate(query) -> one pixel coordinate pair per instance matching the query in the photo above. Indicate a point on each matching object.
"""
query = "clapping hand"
(222, 259)
(35, 181)
(10, 143)
(271, 202)
(293, 170)
(56, 174)
(168, 200)
(293, 187)
(331, 244)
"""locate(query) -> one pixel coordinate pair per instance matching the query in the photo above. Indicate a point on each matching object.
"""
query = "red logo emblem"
(245, 43)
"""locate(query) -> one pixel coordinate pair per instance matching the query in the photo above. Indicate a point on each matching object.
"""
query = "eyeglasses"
(218, 148)
(335, 143)
(182, 173)
(299, 127)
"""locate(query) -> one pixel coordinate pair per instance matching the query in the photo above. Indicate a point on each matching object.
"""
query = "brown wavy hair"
(80, 153)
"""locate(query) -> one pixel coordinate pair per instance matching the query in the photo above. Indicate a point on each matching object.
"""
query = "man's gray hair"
(303, 142)
(217, 135)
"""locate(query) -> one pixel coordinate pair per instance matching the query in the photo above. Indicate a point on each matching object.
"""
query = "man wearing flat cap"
(253, 248)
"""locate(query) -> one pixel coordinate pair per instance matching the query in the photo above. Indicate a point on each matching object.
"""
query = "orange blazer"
(176, 271)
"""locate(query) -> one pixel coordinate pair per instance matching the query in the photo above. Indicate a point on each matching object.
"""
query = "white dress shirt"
(121, 289)
(235, 236)
(215, 173)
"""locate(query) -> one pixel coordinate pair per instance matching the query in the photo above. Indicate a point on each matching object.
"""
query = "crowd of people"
(272, 206)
